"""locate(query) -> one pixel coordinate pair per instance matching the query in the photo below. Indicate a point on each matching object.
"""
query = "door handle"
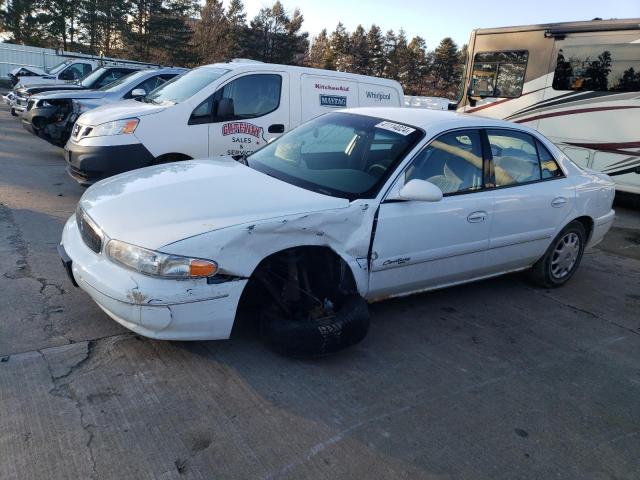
(477, 217)
(276, 128)
(558, 202)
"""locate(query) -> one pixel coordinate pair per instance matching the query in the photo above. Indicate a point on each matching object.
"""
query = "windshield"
(55, 69)
(338, 154)
(90, 77)
(185, 86)
(110, 87)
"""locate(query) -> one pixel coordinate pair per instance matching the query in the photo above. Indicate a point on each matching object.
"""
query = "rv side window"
(600, 68)
(498, 74)
(252, 96)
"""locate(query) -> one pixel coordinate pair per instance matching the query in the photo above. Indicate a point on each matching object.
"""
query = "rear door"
(532, 199)
(260, 113)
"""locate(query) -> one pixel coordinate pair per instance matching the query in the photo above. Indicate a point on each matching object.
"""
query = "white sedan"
(352, 207)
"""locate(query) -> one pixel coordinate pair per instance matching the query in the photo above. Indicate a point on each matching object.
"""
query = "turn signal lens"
(130, 126)
(202, 268)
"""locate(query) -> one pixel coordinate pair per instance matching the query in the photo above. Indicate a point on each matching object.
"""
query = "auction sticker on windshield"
(396, 127)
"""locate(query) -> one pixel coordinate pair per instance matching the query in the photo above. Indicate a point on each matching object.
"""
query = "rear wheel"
(13, 112)
(561, 259)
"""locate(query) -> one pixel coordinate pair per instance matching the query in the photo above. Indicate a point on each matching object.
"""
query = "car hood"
(118, 111)
(35, 89)
(36, 70)
(75, 95)
(156, 206)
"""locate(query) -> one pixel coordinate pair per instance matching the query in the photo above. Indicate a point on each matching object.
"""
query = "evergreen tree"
(630, 81)
(359, 52)
(416, 66)
(211, 38)
(23, 22)
(338, 56)
(319, 52)
(445, 71)
(375, 46)
(237, 33)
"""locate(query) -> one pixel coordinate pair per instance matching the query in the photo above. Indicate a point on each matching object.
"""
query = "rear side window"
(452, 162)
(498, 74)
(518, 158)
(252, 95)
(600, 68)
(548, 166)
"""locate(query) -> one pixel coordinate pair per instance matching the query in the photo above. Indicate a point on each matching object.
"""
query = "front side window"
(252, 95)
(58, 68)
(338, 154)
(112, 76)
(75, 71)
(498, 74)
(515, 157)
(600, 68)
(185, 86)
(452, 162)
(148, 85)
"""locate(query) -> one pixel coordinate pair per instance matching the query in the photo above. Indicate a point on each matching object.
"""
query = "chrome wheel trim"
(565, 255)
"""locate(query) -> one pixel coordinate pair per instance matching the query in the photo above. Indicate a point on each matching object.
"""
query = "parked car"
(71, 69)
(352, 207)
(97, 78)
(222, 109)
(51, 115)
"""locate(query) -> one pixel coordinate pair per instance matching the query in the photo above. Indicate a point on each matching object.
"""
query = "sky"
(434, 20)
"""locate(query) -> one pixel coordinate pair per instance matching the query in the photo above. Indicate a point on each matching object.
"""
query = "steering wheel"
(376, 166)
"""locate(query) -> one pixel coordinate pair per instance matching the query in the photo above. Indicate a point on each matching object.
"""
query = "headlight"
(119, 127)
(159, 264)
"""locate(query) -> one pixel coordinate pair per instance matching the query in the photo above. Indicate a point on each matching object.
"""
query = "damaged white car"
(349, 208)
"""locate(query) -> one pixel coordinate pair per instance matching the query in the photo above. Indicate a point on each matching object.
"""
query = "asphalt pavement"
(493, 380)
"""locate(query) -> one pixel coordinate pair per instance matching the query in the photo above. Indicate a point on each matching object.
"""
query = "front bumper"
(89, 164)
(157, 308)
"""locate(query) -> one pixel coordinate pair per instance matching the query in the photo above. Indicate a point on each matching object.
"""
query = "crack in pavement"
(68, 392)
(48, 289)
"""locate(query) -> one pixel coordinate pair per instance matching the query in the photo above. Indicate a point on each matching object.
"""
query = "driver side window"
(453, 162)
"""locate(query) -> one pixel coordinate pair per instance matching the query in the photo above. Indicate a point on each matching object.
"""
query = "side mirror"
(421, 191)
(138, 92)
(225, 108)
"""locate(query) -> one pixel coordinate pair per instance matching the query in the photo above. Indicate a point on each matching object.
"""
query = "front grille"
(90, 233)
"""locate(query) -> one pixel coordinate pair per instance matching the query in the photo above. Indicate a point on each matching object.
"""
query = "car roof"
(432, 120)
(256, 65)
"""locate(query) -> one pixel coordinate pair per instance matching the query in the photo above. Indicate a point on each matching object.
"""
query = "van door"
(248, 111)
(322, 94)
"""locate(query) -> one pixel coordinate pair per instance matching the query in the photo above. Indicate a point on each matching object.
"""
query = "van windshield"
(338, 154)
(184, 86)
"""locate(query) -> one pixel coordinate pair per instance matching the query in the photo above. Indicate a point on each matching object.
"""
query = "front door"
(420, 245)
(260, 103)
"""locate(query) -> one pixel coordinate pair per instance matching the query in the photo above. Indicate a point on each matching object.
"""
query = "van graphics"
(335, 88)
(243, 128)
(378, 96)
(333, 101)
(244, 136)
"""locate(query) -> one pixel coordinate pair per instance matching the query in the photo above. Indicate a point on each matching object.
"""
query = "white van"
(222, 109)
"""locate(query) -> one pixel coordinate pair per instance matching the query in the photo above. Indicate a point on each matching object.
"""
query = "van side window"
(498, 74)
(548, 165)
(453, 162)
(600, 68)
(515, 157)
(252, 96)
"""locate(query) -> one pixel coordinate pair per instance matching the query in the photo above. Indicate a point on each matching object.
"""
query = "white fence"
(12, 56)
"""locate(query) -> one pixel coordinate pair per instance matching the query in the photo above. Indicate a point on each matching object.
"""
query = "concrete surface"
(495, 380)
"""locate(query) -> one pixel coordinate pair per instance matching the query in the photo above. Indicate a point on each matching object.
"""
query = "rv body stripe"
(573, 112)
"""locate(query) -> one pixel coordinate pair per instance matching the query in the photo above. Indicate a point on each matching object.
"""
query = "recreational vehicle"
(577, 83)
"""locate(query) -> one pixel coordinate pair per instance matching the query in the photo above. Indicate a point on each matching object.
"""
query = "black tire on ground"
(13, 112)
(561, 259)
(310, 338)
